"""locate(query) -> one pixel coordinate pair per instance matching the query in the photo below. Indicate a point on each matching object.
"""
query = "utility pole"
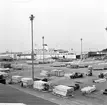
(32, 54)
(43, 47)
(81, 48)
(106, 30)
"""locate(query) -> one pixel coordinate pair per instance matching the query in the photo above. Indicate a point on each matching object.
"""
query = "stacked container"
(99, 80)
(16, 79)
(100, 66)
(53, 72)
(63, 90)
(4, 74)
(88, 89)
(4, 70)
(40, 85)
(44, 73)
(61, 73)
(58, 73)
(27, 81)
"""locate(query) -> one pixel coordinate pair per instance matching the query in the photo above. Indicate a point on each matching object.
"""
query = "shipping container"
(16, 79)
(63, 90)
(27, 81)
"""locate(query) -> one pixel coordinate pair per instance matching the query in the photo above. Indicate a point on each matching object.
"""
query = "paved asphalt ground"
(22, 97)
(11, 95)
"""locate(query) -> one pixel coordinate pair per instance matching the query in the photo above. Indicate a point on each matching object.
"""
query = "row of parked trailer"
(45, 85)
(96, 65)
(55, 72)
(73, 75)
(61, 73)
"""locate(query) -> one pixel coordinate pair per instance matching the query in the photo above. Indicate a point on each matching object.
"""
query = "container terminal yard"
(53, 76)
(53, 52)
(71, 76)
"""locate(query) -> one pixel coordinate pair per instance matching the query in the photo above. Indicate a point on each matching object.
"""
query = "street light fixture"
(32, 54)
(106, 28)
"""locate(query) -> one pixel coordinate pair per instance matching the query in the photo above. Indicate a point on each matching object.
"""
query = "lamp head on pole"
(31, 17)
(106, 28)
(42, 37)
(81, 39)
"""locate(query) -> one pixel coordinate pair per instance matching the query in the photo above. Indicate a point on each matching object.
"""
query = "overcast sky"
(61, 22)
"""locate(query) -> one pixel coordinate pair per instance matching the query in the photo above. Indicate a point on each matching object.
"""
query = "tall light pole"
(32, 54)
(81, 48)
(43, 47)
(106, 30)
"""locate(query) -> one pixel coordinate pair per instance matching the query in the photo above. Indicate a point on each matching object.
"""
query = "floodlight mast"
(32, 53)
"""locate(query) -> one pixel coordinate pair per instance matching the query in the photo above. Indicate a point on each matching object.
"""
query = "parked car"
(103, 75)
(76, 75)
